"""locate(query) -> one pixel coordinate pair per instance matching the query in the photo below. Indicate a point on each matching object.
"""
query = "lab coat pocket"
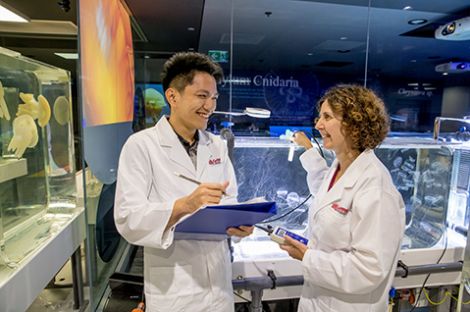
(173, 281)
(334, 228)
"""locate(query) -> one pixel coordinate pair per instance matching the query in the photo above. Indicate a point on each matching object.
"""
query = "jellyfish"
(25, 134)
(3, 105)
(62, 110)
(37, 110)
(154, 103)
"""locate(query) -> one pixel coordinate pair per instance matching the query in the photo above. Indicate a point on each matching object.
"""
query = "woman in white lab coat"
(357, 219)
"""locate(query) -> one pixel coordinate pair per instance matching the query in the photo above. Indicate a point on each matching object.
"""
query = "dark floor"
(124, 297)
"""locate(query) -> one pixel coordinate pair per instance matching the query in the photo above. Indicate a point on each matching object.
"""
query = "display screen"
(149, 104)
(107, 62)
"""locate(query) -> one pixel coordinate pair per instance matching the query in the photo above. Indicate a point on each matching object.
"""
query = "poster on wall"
(107, 83)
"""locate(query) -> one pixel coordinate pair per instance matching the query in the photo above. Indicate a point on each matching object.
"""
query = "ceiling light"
(407, 8)
(68, 56)
(417, 21)
(444, 74)
(343, 38)
(413, 61)
(6, 15)
(191, 29)
(309, 53)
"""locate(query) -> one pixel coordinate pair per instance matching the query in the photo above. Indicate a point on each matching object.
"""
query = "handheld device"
(277, 234)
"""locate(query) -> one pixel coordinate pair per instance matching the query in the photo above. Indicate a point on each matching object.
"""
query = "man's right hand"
(204, 195)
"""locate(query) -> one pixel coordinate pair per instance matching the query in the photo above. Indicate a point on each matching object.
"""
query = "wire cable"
(241, 297)
(319, 147)
(447, 294)
(289, 212)
(427, 277)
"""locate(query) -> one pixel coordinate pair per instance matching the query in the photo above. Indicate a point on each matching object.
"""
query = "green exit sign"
(219, 56)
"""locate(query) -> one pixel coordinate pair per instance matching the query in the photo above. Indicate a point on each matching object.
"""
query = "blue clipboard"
(211, 222)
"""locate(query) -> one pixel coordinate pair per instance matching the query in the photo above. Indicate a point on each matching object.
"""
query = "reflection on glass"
(422, 173)
(37, 181)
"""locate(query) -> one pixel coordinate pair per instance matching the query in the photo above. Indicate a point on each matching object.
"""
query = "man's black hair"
(179, 70)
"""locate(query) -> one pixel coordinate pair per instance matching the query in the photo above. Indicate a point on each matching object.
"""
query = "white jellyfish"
(62, 110)
(3, 105)
(25, 134)
(37, 110)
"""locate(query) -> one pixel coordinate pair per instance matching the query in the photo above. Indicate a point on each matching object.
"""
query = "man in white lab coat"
(180, 275)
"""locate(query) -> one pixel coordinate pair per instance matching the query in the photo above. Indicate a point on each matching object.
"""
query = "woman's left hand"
(295, 248)
(241, 231)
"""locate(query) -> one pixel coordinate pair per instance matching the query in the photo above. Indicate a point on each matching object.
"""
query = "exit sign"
(219, 56)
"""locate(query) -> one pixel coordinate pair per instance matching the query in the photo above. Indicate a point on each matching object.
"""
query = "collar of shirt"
(188, 146)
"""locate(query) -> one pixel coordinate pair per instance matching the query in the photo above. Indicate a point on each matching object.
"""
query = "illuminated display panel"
(107, 62)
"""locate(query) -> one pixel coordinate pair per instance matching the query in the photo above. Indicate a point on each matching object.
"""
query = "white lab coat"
(351, 260)
(180, 275)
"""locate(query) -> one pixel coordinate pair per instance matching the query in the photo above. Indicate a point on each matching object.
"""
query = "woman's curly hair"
(364, 118)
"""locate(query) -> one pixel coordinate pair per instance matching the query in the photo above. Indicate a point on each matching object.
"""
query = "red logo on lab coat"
(339, 209)
(215, 161)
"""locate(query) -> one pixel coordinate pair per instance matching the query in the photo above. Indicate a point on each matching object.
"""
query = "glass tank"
(432, 178)
(37, 167)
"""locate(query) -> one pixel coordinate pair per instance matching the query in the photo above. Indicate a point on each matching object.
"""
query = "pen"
(192, 180)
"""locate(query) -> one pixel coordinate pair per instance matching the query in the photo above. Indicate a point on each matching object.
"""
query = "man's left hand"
(241, 231)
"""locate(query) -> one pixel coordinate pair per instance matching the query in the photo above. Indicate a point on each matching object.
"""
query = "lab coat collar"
(176, 152)
(205, 151)
(347, 180)
(169, 142)
(357, 168)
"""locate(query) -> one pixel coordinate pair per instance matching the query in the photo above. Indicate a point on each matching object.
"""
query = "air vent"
(464, 171)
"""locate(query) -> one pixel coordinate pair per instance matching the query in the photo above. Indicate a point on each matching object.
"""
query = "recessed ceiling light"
(408, 8)
(413, 61)
(146, 56)
(191, 49)
(417, 21)
(343, 38)
(191, 29)
(7, 15)
(309, 53)
(444, 74)
(68, 56)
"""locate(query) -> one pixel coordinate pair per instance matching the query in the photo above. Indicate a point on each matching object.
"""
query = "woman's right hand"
(301, 139)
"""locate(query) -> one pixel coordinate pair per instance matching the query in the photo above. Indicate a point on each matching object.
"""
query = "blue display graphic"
(291, 98)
